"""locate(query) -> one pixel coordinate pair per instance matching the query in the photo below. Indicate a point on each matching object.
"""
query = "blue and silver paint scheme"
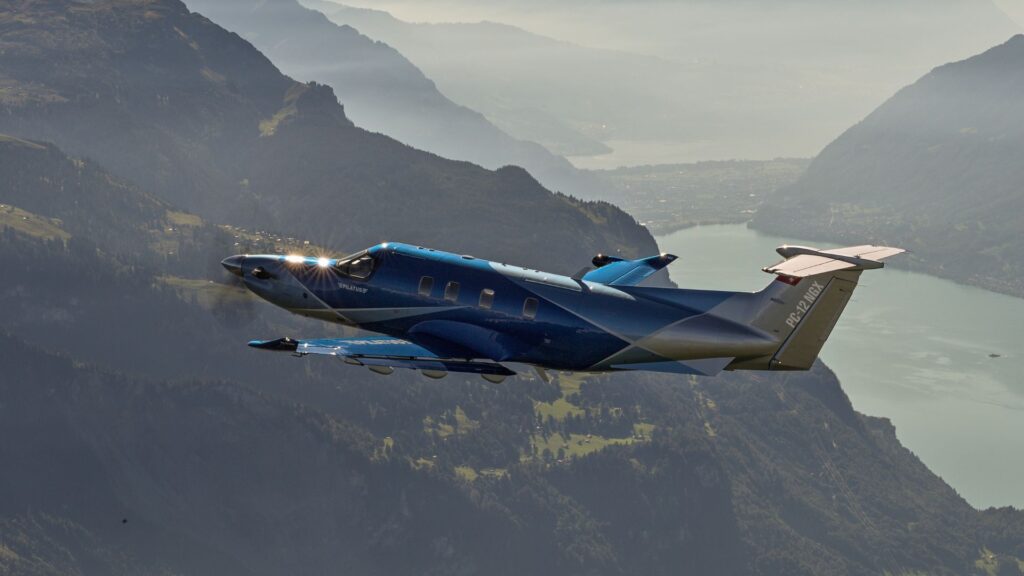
(441, 312)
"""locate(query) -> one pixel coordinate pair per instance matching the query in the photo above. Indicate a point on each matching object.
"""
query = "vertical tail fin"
(801, 307)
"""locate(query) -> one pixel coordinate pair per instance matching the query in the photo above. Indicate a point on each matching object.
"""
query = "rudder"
(802, 306)
(810, 331)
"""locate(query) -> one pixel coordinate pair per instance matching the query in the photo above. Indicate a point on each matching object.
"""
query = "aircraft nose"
(233, 264)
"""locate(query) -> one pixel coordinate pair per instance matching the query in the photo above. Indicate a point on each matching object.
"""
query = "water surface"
(910, 347)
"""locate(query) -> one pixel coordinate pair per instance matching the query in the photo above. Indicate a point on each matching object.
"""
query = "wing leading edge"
(383, 353)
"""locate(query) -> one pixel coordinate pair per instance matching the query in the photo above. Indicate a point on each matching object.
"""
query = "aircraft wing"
(628, 272)
(384, 352)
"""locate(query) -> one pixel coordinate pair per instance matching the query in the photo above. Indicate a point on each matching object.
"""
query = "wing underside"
(384, 352)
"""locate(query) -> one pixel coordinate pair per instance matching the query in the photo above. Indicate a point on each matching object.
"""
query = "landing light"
(323, 262)
(294, 259)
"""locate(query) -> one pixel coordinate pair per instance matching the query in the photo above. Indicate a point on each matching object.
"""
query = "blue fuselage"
(464, 307)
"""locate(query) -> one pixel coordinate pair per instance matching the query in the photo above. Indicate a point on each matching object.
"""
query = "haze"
(661, 82)
(143, 142)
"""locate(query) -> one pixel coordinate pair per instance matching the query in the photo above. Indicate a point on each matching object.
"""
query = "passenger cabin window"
(359, 266)
(530, 308)
(486, 298)
(451, 291)
(426, 286)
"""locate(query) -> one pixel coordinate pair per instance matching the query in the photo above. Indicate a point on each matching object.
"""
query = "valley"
(139, 433)
(939, 359)
(668, 197)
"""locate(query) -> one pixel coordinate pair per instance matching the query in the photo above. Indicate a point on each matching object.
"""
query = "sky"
(744, 79)
(1013, 8)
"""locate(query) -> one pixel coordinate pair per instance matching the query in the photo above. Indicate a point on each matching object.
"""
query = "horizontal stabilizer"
(801, 261)
(628, 272)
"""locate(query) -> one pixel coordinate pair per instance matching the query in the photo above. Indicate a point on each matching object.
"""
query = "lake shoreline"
(907, 263)
(946, 376)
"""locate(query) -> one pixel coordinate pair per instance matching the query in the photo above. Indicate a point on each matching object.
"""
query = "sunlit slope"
(138, 434)
(198, 117)
(938, 169)
(382, 91)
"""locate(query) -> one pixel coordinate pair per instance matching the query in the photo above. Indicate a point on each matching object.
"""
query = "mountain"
(382, 91)
(77, 198)
(196, 116)
(139, 435)
(578, 85)
(128, 475)
(669, 197)
(936, 169)
(124, 475)
(676, 82)
(90, 254)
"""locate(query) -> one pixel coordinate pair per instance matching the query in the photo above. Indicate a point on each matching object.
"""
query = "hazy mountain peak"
(312, 470)
(382, 90)
(196, 115)
(936, 168)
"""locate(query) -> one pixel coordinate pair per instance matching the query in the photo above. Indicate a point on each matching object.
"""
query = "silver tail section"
(801, 306)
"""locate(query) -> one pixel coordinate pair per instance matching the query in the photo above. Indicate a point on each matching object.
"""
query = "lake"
(910, 347)
(644, 152)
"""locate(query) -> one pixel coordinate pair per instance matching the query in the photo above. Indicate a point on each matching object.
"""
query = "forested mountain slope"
(938, 169)
(139, 434)
(197, 116)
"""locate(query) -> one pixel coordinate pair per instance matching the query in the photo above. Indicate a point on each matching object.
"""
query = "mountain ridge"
(140, 434)
(384, 91)
(236, 142)
(233, 456)
(935, 169)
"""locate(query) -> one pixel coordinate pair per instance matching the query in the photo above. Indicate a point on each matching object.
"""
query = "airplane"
(439, 312)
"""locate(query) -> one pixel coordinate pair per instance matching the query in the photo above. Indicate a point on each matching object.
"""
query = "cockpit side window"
(359, 266)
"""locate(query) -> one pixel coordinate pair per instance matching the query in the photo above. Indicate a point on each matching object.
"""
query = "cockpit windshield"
(359, 266)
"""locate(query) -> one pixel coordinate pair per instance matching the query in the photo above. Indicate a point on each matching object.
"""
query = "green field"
(470, 474)
(31, 224)
(463, 424)
(575, 445)
(207, 293)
